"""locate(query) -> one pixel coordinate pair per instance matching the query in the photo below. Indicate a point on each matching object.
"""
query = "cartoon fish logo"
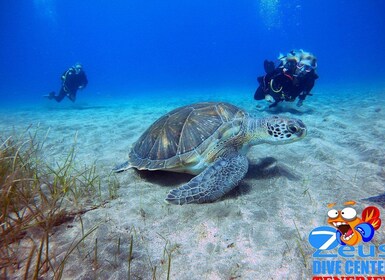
(352, 229)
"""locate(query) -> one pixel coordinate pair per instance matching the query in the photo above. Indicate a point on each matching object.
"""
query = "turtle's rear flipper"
(215, 181)
(121, 167)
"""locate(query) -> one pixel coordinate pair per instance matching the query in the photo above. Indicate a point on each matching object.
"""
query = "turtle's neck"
(255, 130)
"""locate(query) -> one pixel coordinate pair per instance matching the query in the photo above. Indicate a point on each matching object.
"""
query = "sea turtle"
(209, 140)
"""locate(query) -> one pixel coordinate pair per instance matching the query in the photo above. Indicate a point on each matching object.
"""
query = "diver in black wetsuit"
(73, 79)
(294, 77)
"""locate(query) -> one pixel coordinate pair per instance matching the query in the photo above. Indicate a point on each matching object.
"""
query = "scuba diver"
(293, 77)
(73, 79)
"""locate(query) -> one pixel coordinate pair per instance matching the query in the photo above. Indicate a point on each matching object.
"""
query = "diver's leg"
(50, 96)
(61, 95)
(259, 93)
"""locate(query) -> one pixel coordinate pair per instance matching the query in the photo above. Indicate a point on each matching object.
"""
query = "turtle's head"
(279, 130)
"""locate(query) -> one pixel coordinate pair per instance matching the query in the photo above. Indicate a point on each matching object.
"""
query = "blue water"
(138, 55)
(127, 47)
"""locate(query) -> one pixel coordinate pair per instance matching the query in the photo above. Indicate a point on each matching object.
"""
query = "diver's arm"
(303, 94)
(72, 97)
(63, 76)
(308, 86)
(84, 80)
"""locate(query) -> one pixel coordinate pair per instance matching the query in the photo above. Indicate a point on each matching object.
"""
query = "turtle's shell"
(181, 139)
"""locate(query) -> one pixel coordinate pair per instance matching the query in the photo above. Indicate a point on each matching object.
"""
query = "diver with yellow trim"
(294, 77)
(72, 80)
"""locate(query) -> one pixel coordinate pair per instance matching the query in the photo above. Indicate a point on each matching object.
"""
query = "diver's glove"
(299, 103)
(269, 98)
(274, 104)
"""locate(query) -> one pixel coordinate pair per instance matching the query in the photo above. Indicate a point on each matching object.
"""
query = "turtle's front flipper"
(121, 167)
(216, 180)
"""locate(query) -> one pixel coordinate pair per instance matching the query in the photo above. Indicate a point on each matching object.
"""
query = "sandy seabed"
(258, 231)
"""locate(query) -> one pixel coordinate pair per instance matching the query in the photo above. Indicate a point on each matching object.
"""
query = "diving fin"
(268, 66)
(50, 96)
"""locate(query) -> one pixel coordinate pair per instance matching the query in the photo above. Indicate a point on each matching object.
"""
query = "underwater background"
(137, 47)
(144, 59)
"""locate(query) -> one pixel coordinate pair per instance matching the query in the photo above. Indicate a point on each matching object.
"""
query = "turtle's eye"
(348, 213)
(292, 128)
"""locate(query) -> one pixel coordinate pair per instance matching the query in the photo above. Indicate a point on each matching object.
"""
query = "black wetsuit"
(283, 85)
(72, 81)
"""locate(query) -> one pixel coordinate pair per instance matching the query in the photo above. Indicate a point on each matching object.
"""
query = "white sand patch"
(249, 234)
